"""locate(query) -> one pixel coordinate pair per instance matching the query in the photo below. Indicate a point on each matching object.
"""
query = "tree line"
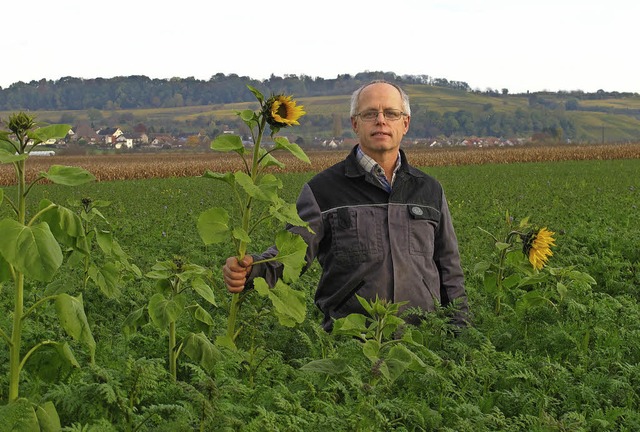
(120, 94)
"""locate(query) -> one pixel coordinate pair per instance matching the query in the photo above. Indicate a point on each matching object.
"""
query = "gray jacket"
(400, 246)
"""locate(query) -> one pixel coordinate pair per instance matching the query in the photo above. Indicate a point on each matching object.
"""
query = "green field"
(570, 363)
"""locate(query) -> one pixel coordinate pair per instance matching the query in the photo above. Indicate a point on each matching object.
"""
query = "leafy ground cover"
(568, 363)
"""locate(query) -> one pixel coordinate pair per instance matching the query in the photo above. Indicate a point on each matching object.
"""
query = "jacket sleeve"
(447, 258)
(309, 211)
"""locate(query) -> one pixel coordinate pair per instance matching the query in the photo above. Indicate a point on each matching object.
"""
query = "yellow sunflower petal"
(541, 248)
(284, 111)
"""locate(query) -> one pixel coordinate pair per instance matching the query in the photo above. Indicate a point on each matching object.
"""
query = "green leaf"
(240, 234)
(199, 348)
(294, 149)
(47, 132)
(292, 250)
(289, 305)
(352, 325)
(204, 290)
(213, 225)
(249, 117)
(371, 349)
(256, 93)
(106, 278)
(52, 362)
(400, 359)
(267, 160)
(226, 143)
(562, 290)
(531, 299)
(287, 213)
(9, 156)
(203, 319)
(532, 280)
(226, 177)
(134, 320)
(164, 311)
(68, 176)
(6, 143)
(266, 189)
(32, 250)
(502, 246)
(511, 280)
(330, 366)
(226, 342)
(490, 282)
(65, 225)
(70, 311)
(48, 417)
(18, 416)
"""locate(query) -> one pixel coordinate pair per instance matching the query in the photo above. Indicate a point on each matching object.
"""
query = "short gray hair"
(406, 108)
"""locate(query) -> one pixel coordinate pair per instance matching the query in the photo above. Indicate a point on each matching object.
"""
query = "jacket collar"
(354, 169)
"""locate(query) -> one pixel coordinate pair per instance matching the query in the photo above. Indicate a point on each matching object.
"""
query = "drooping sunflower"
(282, 111)
(537, 246)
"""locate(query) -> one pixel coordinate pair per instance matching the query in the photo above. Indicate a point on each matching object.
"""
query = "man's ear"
(354, 124)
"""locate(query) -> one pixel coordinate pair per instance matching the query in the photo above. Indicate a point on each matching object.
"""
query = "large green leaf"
(199, 348)
(32, 250)
(400, 359)
(6, 143)
(289, 305)
(7, 156)
(106, 278)
(48, 417)
(227, 142)
(352, 325)
(294, 149)
(287, 213)
(204, 290)
(371, 349)
(164, 311)
(203, 319)
(292, 250)
(213, 225)
(52, 362)
(47, 132)
(65, 225)
(68, 176)
(71, 314)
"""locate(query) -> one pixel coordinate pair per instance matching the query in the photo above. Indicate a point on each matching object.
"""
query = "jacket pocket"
(355, 235)
(422, 226)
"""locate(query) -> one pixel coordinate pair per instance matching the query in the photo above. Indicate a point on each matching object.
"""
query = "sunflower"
(537, 246)
(282, 111)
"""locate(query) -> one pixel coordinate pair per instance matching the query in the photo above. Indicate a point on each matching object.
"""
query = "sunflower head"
(282, 111)
(537, 246)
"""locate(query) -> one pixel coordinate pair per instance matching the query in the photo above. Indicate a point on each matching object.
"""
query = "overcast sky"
(515, 44)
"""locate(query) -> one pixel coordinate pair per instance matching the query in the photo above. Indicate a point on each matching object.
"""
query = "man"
(381, 226)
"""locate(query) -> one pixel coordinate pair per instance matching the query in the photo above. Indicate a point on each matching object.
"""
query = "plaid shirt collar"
(371, 166)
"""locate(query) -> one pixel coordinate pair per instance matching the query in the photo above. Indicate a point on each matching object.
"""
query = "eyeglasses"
(389, 114)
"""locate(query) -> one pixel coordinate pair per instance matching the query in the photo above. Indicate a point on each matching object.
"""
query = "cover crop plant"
(257, 201)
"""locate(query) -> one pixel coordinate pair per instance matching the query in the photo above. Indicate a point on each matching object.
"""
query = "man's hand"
(235, 272)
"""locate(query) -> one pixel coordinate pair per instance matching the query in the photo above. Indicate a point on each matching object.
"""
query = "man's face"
(381, 135)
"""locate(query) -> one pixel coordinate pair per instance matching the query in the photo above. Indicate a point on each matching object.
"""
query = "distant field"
(164, 165)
